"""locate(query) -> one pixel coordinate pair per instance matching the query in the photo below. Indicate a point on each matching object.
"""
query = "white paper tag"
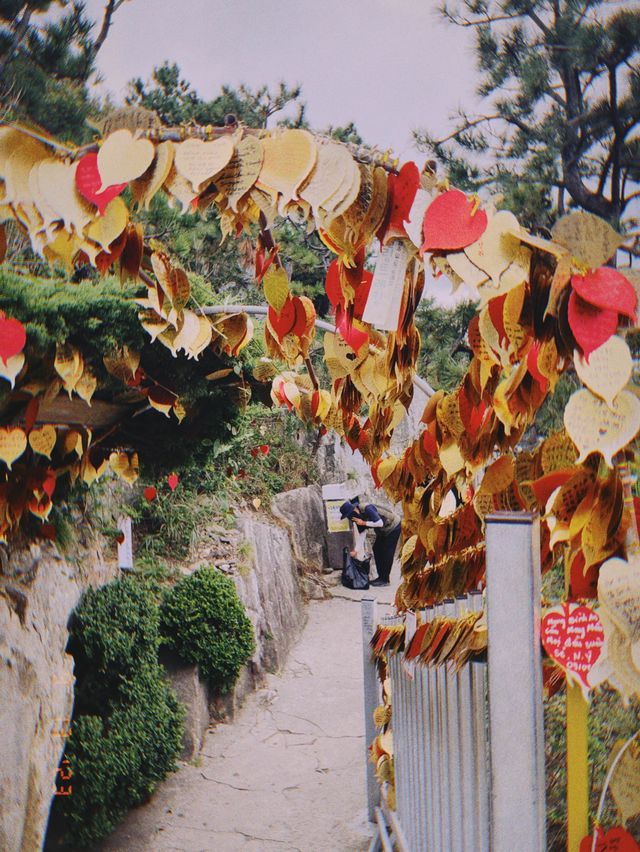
(413, 226)
(385, 296)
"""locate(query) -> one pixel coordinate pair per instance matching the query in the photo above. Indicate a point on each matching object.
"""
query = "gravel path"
(288, 773)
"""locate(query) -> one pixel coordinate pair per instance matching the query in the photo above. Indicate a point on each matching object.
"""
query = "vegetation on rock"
(204, 622)
(127, 722)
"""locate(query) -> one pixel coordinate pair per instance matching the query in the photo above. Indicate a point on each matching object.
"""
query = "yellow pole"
(577, 767)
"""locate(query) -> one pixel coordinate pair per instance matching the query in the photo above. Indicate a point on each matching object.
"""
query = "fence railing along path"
(468, 744)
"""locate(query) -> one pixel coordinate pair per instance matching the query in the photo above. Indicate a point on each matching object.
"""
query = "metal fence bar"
(399, 742)
(480, 733)
(398, 833)
(453, 743)
(371, 700)
(515, 683)
(433, 833)
(420, 844)
(409, 686)
(470, 825)
(385, 840)
(411, 742)
(441, 746)
(424, 744)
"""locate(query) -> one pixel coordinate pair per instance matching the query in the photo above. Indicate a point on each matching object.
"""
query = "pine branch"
(110, 9)
(468, 124)
(461, 21)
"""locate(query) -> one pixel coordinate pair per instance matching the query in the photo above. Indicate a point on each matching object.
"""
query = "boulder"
(193, 693)
(302, 511)
(39, 589)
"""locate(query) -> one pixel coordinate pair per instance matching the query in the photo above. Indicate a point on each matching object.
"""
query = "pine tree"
(46, 61)
(175, 101)
(560, 83)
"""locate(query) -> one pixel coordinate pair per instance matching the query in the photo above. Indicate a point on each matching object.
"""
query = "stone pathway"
(288, 773)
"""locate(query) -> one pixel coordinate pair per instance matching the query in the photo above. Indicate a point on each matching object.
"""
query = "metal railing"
(468, 744)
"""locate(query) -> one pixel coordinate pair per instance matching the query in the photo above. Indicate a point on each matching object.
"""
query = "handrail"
(262, 310)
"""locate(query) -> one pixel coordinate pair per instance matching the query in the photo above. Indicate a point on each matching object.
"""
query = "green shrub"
(203, 620)
(169, 525)
(127, 722)
(114, 635)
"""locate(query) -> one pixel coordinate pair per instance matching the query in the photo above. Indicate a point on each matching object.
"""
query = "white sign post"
(125, 548)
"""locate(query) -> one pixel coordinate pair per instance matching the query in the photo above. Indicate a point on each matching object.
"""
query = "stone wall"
(266, 573)
(39, 589)
(270, 591)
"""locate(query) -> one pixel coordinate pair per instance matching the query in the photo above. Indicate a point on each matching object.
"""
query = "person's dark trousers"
(383, 552)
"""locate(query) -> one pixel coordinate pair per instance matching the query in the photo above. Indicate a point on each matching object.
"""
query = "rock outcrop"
(269, 589)
(302, 512)
(265, 571)
(39, 589)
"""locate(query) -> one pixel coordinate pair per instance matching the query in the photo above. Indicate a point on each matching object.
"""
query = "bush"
(114, 635)
(127, 722)
(203, 620)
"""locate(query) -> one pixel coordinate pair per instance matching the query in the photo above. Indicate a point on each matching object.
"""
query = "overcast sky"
(387, 65)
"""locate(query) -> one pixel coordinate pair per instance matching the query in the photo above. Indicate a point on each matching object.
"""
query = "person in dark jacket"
(387, 527)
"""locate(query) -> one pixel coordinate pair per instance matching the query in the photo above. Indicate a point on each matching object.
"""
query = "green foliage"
(114, 635)
(444, 355)
(60, 106)
(127, 722)
(560, 108)
(46, 62)
(609, 721)
(288, 464)
(167, 527)
(221, 475)
(204, 621)
(99, 315)
(176, 102)
(98, 318)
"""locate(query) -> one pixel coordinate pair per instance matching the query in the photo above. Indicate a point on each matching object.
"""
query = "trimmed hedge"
(204, 622)
(127, 723)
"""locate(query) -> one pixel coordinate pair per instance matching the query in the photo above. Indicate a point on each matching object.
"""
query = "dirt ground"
(289, 773)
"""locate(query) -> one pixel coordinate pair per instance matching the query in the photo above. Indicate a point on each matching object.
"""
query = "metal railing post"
(372, 697)
(480, 749)
(455, 768)
(435, 825)
(515, 683)
(465, 732)
(442, 746)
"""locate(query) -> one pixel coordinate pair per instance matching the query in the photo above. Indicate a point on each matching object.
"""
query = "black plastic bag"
(355, 572)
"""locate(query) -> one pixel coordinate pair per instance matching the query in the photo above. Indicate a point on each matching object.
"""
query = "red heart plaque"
(150, 493)
(88, 182)
(12, 337)
(615, 840)
(607, 288)
(283, 323)
(590, 326)
(452, 222)
(572, 635)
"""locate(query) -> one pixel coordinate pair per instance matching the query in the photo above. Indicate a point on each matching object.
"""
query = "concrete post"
(515, 683)
(372, 698)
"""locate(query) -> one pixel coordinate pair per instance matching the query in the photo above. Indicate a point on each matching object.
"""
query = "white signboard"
(334, 496)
